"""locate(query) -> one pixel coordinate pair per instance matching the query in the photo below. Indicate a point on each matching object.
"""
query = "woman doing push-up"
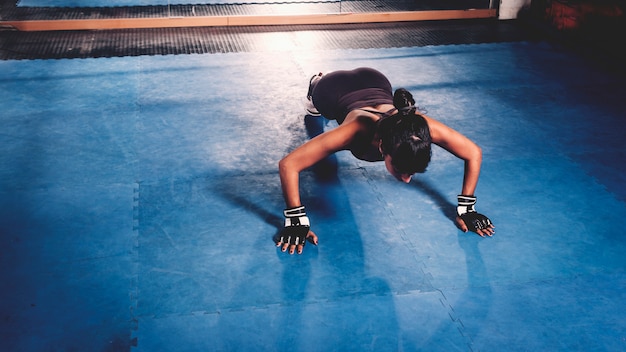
(375, 125)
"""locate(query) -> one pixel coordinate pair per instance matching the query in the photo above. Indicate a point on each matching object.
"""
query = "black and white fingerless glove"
(296, 228)
(465, 210)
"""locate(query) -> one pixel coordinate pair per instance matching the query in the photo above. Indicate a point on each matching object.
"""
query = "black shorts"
(339, 92)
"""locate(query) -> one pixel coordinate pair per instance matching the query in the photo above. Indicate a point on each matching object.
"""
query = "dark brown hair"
(405, 135)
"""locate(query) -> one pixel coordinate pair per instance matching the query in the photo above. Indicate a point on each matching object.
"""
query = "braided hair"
(405, 135)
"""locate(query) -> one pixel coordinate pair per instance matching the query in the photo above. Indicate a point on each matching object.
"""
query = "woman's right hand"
(281, 242)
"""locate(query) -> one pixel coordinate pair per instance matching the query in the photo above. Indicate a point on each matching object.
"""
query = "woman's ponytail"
(402, 98)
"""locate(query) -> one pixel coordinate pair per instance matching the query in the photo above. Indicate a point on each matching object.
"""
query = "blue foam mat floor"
(139, 197)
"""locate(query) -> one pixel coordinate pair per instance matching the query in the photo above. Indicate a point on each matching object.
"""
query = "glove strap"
(294, 212)
(296, 217)
(465, 204)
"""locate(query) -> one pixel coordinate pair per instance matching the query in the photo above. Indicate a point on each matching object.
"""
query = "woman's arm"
(305, 156)
(310, 153)
(462, 147)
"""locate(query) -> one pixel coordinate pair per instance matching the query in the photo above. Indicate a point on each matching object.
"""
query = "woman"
(375, 126)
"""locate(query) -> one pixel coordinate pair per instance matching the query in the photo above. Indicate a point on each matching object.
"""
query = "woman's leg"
(310, 108)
